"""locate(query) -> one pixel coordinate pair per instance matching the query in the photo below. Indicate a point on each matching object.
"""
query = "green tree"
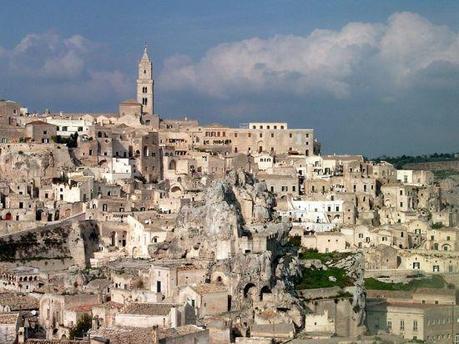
(82, 327)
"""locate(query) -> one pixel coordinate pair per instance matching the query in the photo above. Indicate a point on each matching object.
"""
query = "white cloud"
(48, 55)
(325, 61)
(63, 68)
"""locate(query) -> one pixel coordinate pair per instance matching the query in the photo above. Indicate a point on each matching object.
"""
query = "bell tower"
(145, 84)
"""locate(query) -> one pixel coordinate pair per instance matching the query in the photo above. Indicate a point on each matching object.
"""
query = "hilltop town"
(128, 227)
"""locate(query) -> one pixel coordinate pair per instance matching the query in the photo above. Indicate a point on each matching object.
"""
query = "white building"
(68, 126)
(119, 168)
(143, 233)
(76, 189)
(329, 212)
(264, 161)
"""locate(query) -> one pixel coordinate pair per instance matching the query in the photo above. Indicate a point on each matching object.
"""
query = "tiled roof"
(147, 308)
(18, 301)
(9, 318)
(125, 335)
(55, 341)
(208, 288)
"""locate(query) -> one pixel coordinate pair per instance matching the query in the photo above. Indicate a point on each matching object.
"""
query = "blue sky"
(371, 77)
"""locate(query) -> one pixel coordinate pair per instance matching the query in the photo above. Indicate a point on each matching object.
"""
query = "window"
(402, 325)
(144, 101)
(389, 325)
(415, 325)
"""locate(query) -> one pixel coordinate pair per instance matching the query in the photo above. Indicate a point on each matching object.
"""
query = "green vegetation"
(316, 278)
(400, 161)
(443, 174)
(437, 225)
(82, 327)
(432, 282)
(295, 241)
(70, 141)
(323, 257)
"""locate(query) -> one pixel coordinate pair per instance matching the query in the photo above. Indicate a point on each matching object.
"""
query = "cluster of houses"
(131, 172)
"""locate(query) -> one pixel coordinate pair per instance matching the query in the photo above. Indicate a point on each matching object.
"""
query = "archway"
(250, 291)
(264, 290)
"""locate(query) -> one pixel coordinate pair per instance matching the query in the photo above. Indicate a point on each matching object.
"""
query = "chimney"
(174, 316)
(95, 323)
(154, 334)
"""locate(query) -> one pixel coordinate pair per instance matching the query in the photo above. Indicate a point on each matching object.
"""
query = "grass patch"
(316, 278)
(433, 282)
(323, 257)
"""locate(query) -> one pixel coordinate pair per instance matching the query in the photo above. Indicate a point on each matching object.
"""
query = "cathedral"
(141, 111)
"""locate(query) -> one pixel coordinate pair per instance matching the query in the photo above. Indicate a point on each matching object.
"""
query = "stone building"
(39, 131)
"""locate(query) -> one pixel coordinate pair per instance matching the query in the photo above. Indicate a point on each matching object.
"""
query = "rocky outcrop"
(71, 243)
(34, 161)
(354, 265)
(234, 229)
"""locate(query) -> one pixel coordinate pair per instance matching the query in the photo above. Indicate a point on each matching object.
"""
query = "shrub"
(82, 327)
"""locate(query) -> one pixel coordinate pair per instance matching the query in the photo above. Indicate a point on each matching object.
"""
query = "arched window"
(144, 101)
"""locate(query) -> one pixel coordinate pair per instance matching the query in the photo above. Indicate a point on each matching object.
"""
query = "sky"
(371, 77)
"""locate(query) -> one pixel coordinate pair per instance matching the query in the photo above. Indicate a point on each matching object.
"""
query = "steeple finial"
(145, 52)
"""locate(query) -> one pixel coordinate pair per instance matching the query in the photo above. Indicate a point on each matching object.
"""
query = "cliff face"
(67, 243)
(354, 265)
(33, 161)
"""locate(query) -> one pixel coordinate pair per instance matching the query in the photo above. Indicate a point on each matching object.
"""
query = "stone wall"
(70, 243)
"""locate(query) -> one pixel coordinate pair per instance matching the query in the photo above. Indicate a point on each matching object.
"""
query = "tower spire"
(145, 83)
(145, 51)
